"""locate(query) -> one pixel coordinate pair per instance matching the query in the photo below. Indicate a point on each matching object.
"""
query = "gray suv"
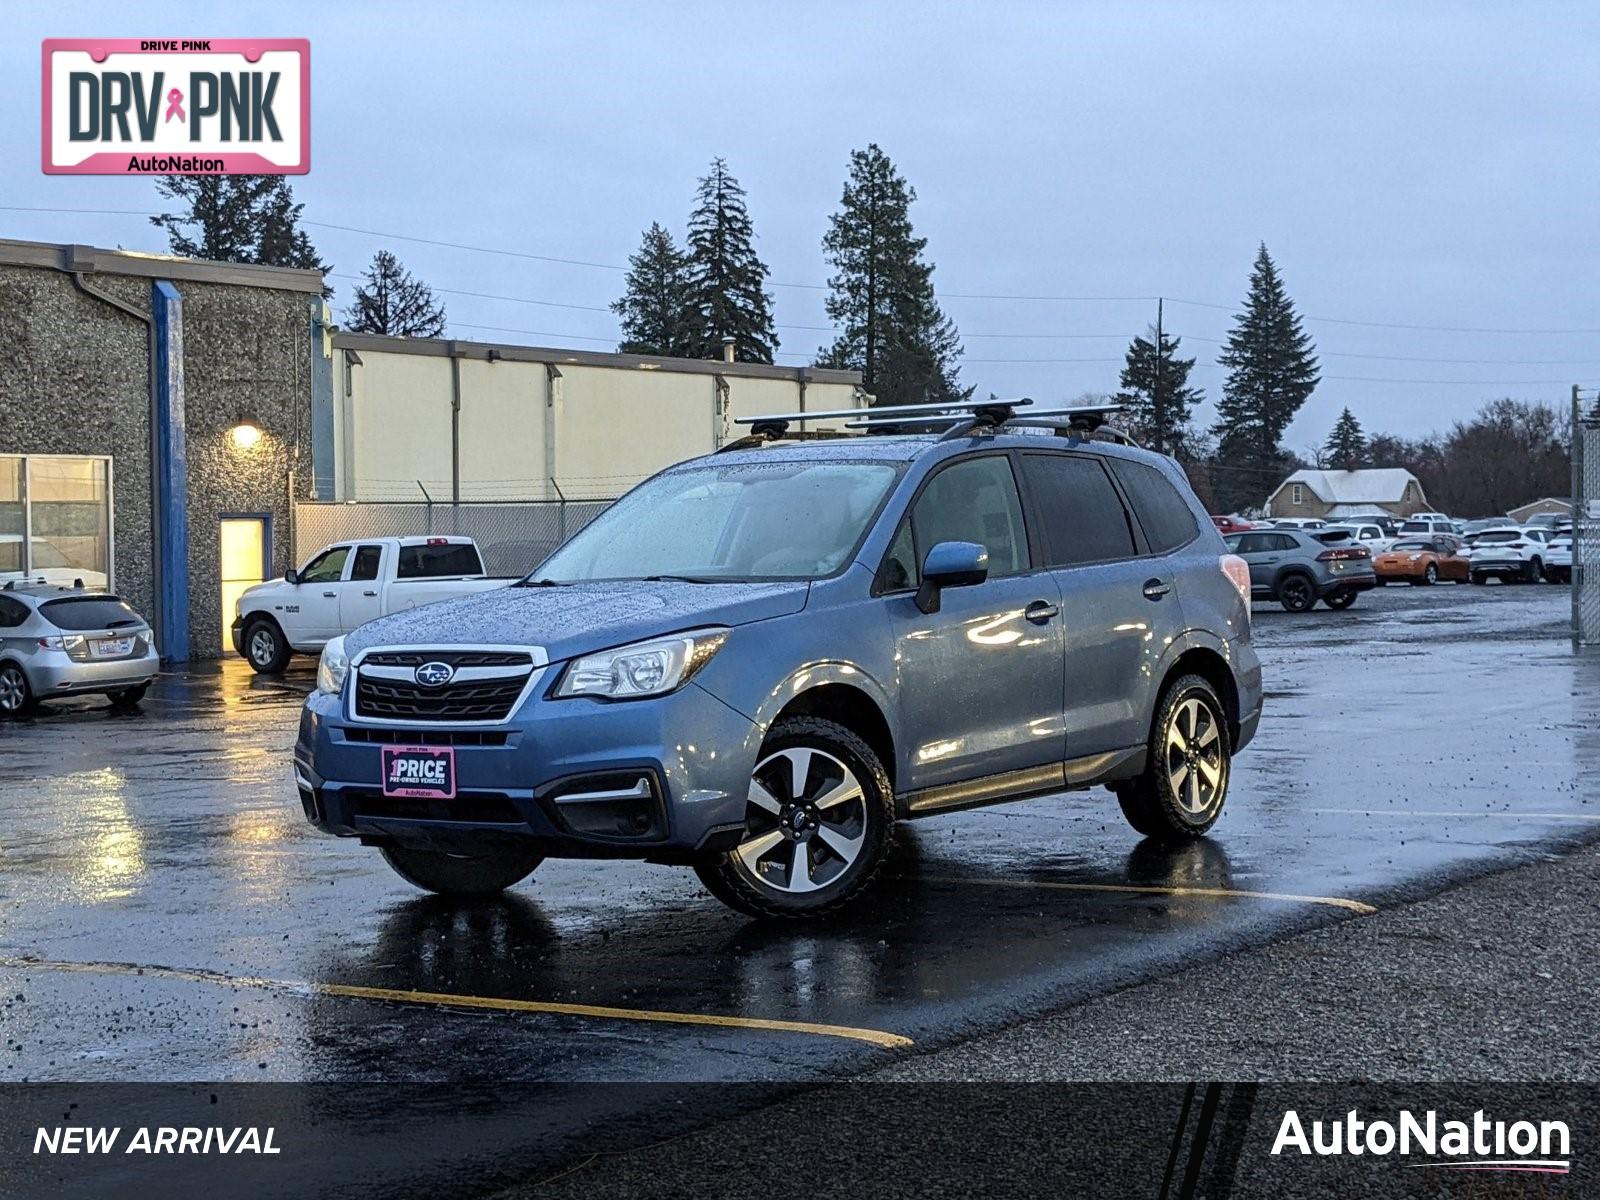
(1298, 567)
(756, 662)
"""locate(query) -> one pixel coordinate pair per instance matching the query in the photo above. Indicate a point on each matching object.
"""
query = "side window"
(1253, 543)
(1084, 520)
(12, 614)
(1284, 541)
(366, 564)
(975, 500)
(326, 567)
(1163, 514)
(900, 567)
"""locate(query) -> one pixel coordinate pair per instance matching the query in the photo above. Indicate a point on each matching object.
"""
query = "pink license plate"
(424, 772)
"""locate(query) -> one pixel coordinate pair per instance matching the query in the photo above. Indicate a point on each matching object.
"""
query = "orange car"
(1421, 560)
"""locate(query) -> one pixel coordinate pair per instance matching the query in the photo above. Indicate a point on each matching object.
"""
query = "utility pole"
(1157, 403)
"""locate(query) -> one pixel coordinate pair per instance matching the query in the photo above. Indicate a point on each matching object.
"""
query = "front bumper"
(533, 778)
(236, 631)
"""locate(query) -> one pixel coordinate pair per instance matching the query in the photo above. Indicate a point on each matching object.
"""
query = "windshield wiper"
(540, 583)
(680, 579)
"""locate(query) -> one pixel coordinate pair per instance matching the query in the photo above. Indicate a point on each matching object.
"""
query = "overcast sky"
(1406, 165)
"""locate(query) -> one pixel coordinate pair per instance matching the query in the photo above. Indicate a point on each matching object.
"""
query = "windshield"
(745, 521)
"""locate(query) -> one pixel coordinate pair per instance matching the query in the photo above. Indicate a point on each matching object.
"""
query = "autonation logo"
(1480, 1144)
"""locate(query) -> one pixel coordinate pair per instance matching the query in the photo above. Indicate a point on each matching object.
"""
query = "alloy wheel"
(262, 647)
(13, 690)
(1194, 755)
(806, 820)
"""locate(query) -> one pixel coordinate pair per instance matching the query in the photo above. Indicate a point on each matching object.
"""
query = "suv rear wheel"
(462, 875)
(1185, 780)
(1297, 593)
(817, 824)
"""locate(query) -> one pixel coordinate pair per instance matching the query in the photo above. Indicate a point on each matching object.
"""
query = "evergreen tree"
(894, 331)
(237, 218)
(654, 311)
(1346, 447)
(726, 279)
(1272, 369)
(1159, 404)
(393, 302)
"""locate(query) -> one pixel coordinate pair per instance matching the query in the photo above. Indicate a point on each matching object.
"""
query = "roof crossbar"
(771, 426)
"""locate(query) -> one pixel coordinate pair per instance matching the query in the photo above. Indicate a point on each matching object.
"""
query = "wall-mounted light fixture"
(246, 431)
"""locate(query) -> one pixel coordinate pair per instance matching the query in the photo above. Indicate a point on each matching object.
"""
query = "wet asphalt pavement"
(166, 913)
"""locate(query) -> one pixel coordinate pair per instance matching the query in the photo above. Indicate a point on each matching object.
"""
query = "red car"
(1226, 525)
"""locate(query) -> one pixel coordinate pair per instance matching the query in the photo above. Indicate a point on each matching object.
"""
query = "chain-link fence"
(514, 537)
(1585, 521)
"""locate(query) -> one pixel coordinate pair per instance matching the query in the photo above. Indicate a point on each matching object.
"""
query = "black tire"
(265, 648)
(462, 875)
(16, 697)
(1480, 580)
(731, 880)
(1430, 575)
(1341, 598)
(1151, 802)
(1535, 571)
(129, 697)
(1297, 593)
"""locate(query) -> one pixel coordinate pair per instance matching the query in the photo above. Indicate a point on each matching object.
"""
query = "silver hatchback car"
(66, 641)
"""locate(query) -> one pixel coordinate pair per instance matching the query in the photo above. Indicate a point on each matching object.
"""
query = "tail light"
(1238, 573)
(1342, 555)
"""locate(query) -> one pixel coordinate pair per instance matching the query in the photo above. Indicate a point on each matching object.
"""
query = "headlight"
(332, 667)
(650, 668)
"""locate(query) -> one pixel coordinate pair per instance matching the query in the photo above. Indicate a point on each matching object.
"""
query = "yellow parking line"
(1355, 906)
(876, 1037)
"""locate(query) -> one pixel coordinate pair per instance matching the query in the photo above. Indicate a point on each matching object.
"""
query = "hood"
(579, 617)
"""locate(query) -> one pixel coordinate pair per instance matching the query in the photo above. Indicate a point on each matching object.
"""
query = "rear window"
(1167, 520)
(438, 562)
(1083, 517)
(89, 612)
(1416, 527)
(1487, 539)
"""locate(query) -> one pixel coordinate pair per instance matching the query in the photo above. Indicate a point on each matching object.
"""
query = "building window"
(55, 519)
(1297, 494)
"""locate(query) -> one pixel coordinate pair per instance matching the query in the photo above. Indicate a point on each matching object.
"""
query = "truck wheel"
(16, 697)
(265, 648)
(1185, 780)
(1296, 593)
(817, 824)
(462, 874)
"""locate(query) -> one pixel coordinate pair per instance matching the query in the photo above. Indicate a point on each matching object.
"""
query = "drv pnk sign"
(212, 106)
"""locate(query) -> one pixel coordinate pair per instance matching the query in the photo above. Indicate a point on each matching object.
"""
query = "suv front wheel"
(461, 875)
(1185, 780)
(817, 824)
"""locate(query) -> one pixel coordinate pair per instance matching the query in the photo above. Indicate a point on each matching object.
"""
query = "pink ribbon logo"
(175, 105)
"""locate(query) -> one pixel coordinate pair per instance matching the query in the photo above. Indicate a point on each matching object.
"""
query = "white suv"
(1510, 553)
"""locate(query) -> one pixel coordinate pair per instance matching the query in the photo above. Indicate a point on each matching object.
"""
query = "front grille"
(456, 658)
(429, 737)
(485, 808)
(474, 700)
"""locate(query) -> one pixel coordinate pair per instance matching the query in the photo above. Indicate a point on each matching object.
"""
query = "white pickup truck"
(348, 584)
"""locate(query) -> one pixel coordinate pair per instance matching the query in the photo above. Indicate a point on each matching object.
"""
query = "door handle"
(1154, 589)
(1041, 611)
(330, 595)
(369, 593)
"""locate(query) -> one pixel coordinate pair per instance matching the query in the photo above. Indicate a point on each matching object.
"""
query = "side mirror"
(291, 576)
(950, 564)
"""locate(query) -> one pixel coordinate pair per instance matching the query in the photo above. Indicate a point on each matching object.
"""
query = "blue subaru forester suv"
(756, 662)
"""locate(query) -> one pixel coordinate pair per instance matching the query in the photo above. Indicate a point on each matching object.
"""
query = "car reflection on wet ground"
(165, 913)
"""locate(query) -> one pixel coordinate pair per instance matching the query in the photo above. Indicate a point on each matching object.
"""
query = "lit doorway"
(245, 551)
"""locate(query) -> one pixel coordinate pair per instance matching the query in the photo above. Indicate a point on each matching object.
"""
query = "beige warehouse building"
(478, 421)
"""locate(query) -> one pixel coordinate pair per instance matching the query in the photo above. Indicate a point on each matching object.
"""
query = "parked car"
(1299, 523)
(1558, 559)
(1296, 568)
(699, 678)
(347, 584)
(1369, 534)
(1422, 561)
(1233, 524)
(1426, 526)
(1550, 521)
(66, 641)
(1511, 554)
(1470, 529)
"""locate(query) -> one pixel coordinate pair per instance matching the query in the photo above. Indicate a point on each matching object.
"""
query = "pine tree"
(726, 278)
(894, 331)
(1272, 369)
(1346, 447)
(1159, 414)
(654, 311)
(392, 301)
(237, 218)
